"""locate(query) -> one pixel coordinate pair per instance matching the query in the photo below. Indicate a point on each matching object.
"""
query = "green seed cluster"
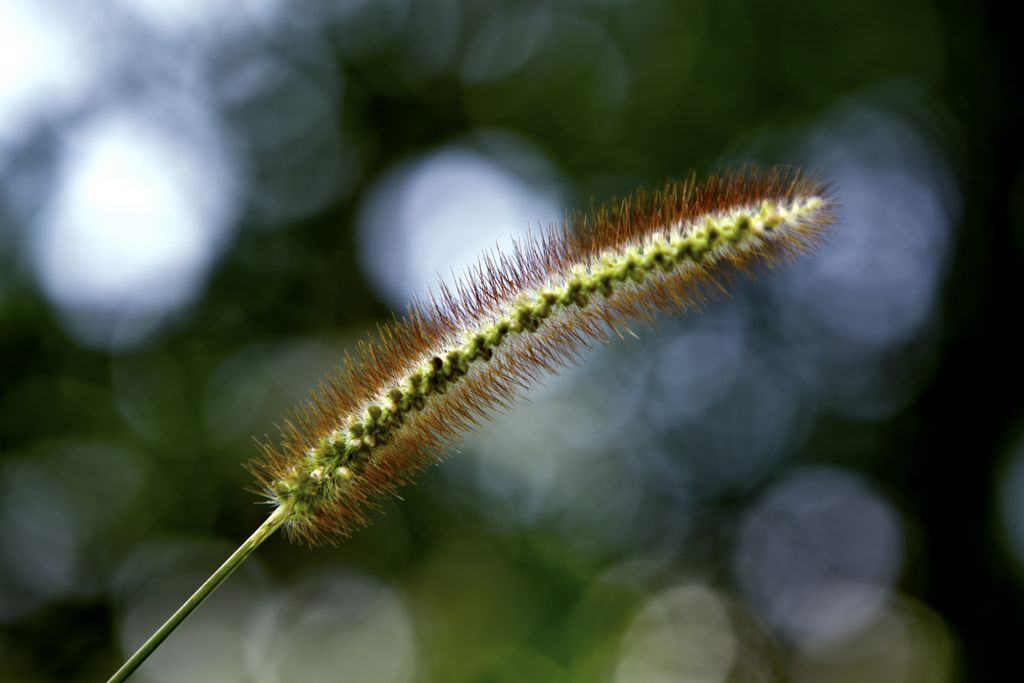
(338, 459)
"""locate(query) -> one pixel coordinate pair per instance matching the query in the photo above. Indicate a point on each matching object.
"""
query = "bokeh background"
(203, 205)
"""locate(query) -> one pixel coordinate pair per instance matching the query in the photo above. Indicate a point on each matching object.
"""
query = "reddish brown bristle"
(438, 333)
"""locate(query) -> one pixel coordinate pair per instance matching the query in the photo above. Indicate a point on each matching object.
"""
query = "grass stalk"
(265, 531)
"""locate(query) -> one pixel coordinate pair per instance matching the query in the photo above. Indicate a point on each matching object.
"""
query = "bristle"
(515, 316)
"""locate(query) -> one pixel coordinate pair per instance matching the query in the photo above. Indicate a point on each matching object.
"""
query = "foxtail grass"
(396, 406)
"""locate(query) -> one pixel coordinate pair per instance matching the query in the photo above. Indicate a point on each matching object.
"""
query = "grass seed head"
(471, 347)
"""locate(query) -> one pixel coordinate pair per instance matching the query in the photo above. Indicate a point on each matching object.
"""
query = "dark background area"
(204, 205)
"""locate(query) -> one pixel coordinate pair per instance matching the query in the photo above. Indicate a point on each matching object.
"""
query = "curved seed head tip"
(452, 360)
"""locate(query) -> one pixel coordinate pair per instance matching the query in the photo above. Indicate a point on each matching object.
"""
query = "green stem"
(275, 520)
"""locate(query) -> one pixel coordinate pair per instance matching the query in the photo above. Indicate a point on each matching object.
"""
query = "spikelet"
(467, 350)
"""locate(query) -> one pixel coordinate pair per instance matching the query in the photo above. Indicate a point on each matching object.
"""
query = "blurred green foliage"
(630, 561)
